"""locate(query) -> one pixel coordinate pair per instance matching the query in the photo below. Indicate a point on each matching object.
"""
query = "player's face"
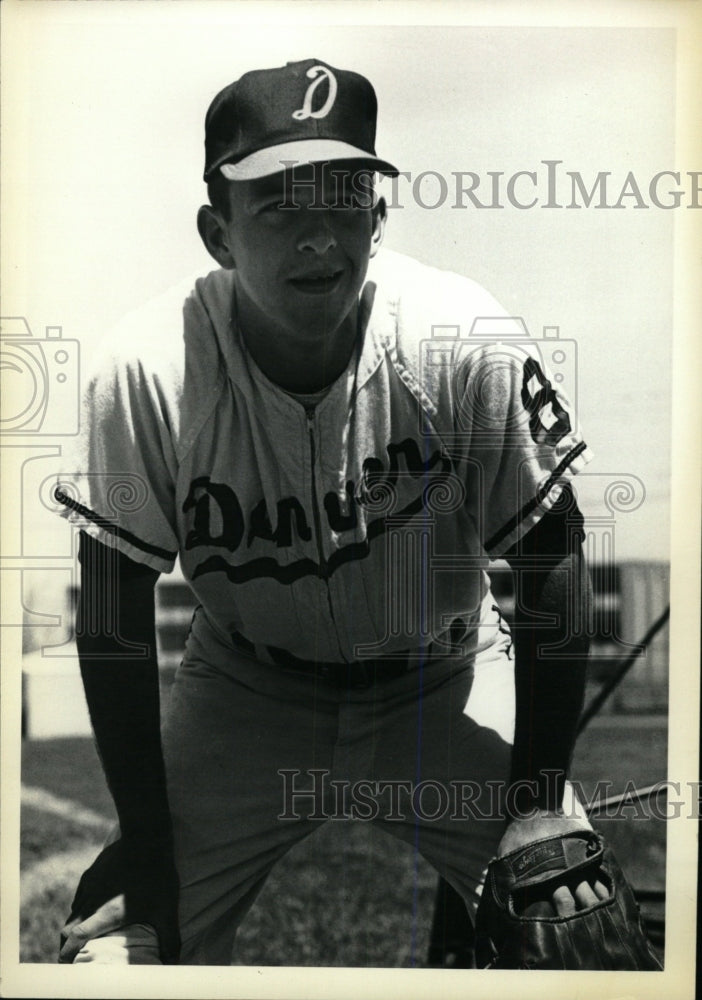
(300, 242)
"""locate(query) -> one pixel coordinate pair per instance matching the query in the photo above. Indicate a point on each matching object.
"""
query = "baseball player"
(334, 475)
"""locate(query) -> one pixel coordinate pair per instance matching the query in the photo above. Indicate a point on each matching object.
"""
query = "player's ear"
(380, 214)
(213, 233)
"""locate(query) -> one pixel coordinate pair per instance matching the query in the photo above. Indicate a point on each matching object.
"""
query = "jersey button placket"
(316, 495)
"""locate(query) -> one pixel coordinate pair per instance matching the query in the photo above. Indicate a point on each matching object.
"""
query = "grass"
(347, 896)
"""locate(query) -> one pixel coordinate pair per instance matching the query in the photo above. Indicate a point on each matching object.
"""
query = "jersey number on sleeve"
(548, 421)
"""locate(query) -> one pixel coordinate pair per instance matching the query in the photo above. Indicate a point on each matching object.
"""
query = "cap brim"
(273, 160)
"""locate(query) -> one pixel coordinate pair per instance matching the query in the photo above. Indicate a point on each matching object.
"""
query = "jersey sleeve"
(523, 439)
(118, 481)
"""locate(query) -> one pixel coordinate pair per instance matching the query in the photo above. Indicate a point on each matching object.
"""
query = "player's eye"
(348, 201)
(361, 201)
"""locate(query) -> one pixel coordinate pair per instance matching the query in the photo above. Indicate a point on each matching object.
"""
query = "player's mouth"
(318, 284)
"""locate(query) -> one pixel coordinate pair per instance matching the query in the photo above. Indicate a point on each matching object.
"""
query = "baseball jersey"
(358, 527)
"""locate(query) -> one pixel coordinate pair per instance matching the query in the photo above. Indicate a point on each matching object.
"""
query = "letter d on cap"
(321, 73)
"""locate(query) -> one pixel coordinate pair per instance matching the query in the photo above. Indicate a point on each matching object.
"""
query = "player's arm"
(553, 602)
(134, 879)
(555, 897)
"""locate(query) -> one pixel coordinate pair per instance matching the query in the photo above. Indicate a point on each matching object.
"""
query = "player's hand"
(567, 898)
(122, 887)
(107, 918)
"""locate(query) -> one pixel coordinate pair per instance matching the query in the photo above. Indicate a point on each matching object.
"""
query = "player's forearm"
(121, 686)
(124, 713)
(550, 669)
(554, 595)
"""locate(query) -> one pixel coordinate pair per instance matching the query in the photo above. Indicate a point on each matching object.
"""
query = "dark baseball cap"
(304, 112)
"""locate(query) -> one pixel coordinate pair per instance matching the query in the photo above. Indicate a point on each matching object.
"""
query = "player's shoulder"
(169, 347)
(417, 303)
(424, 298)
(412, 280)
(162, 332)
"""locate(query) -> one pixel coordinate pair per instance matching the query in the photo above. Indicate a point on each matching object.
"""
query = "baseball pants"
(258, 757)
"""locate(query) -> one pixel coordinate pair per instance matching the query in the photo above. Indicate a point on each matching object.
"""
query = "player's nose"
(317, 238)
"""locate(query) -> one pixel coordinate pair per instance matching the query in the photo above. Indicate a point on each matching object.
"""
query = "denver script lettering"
(201, 492)
(289, 509)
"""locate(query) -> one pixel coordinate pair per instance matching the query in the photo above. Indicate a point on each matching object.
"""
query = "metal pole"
(623, 668)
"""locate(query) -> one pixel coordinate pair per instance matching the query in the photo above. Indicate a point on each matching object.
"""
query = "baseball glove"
(513, 932)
